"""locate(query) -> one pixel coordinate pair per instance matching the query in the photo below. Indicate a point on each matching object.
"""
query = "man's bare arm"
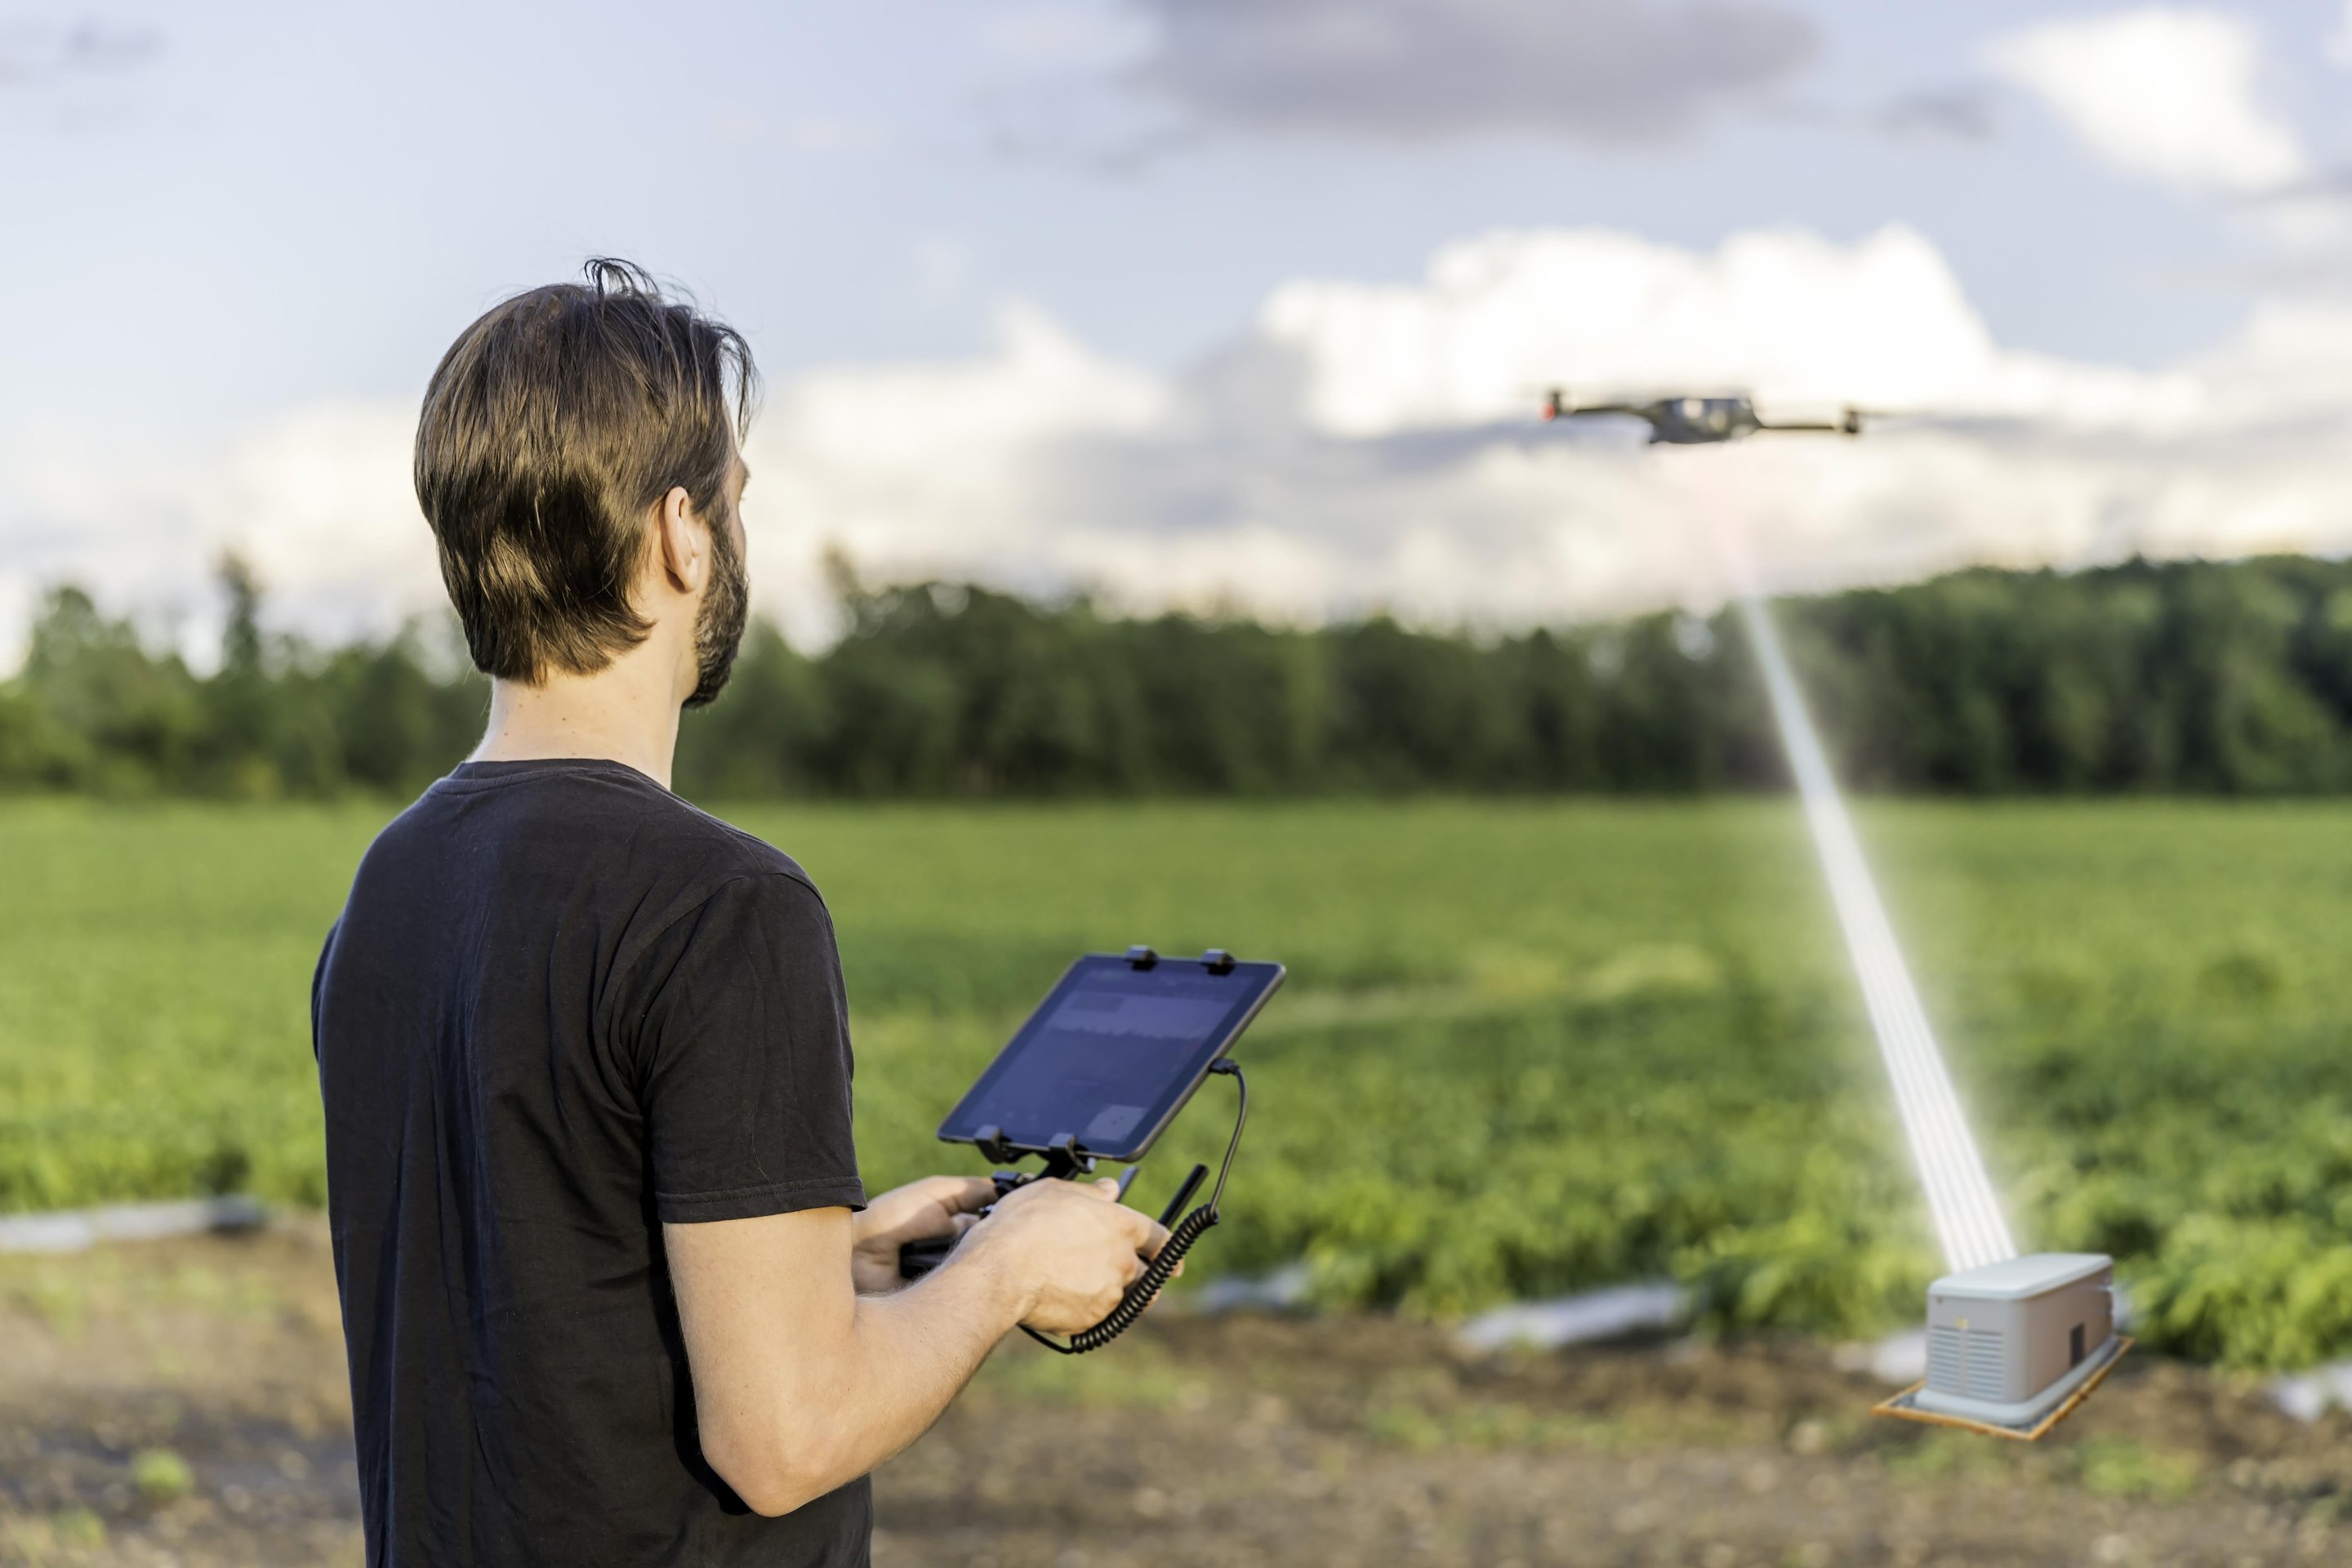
(802, 1385)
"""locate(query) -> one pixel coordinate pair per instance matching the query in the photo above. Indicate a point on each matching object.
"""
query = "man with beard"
(611, 1288)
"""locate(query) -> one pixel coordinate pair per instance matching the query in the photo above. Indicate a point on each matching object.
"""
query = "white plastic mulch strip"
(1593, 1316)
(1280, 1291)
(2308, 1395)
(73, 1230)
(1899, 1358)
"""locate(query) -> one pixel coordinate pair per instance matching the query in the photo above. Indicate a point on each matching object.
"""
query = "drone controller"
(1098, 1072)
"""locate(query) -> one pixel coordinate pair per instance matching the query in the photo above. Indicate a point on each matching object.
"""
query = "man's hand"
(936, 1205)
(1071, 1247)
(801, 1383)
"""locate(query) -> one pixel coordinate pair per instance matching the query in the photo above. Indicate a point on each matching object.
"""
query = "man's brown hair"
(551, 427)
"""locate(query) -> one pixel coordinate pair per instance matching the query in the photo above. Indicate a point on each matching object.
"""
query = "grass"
(69, 1292)
(1527, 1047)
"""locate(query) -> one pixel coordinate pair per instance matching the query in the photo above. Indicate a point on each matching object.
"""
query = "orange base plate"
(1901, 1411)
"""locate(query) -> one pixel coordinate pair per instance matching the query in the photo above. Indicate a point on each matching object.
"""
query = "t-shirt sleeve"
(745, 1059)
(318, 979)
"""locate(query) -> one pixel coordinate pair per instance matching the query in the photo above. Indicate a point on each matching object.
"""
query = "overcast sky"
(1202, 300)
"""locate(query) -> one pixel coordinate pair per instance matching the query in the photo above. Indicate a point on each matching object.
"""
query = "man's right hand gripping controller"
(1072, 1245)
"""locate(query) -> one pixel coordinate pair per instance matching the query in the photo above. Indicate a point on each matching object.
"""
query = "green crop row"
(1527, 1047)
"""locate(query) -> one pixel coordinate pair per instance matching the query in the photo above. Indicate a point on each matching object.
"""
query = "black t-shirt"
(561, 1008)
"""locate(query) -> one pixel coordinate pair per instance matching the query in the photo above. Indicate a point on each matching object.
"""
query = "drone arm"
(1850, 425)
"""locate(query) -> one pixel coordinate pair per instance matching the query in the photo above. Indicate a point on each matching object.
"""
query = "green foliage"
(2230, 679)
(2196, 677)
(1527, 1048)
(161, 1476)
(96, 709)
(2120, 1467)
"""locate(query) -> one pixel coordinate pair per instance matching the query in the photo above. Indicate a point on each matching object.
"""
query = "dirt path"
(183, 1403)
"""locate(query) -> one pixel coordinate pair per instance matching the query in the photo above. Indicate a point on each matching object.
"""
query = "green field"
(1527, 1046)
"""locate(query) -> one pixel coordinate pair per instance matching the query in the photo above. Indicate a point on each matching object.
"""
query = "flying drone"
(1696, 421)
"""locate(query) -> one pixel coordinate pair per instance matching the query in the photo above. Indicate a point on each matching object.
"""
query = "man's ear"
(685, 545)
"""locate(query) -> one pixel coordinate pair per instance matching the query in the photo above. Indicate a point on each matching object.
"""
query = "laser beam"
(1959, 1196)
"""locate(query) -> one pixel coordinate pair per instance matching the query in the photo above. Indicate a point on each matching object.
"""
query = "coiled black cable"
(1188, 1230)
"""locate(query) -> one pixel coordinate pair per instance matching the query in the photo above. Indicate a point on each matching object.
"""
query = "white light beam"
(1960, 1194)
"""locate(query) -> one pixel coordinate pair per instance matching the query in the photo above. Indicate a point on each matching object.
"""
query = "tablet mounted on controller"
(1115, 1051)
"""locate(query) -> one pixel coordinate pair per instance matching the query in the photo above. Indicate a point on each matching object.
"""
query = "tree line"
(2193, 677)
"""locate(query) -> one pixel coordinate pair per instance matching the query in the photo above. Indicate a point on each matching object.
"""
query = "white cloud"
(931, 468)
(1783, 314)
(322, 499)
(1371, 445)
(2166, 94)
(1058, 34)
(1375, 445)
(318, 499)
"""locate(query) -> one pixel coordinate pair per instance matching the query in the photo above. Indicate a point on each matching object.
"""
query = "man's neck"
(626, 713)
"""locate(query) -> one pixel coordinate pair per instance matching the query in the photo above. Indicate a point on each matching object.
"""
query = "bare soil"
(184, 1403)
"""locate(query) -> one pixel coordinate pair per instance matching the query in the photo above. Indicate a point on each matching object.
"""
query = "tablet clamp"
(1063, 1156)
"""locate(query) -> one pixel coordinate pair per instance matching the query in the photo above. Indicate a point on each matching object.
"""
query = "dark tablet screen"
(1112, 1054)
